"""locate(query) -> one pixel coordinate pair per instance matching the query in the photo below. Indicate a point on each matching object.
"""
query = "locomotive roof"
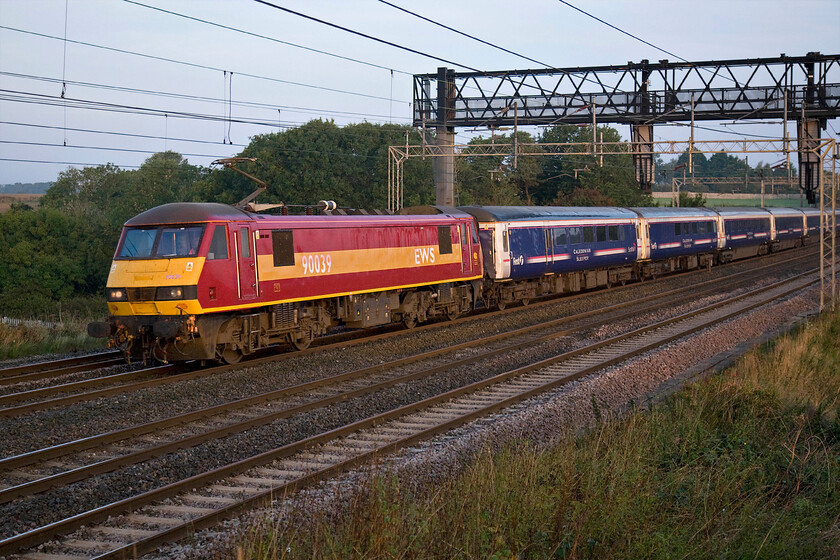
(188, 212)
(654, 212)
(197, 212)
(510, 213)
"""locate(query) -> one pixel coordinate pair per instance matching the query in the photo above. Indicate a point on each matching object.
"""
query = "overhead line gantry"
(801, 88)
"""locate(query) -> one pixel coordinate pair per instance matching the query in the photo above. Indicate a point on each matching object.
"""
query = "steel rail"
(40, 535)
(57, 364)
(35, 376)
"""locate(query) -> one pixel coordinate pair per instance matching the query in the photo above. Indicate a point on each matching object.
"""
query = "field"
(6, 200)
(754, 202)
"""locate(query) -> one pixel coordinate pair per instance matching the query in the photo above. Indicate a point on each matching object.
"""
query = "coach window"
(711, 227)
(218, 245)
(560, 236)
(283, 247)
(612, 231)
(574, 235)
(694, 227)
(444, 240)
(588, 234)
(677, 230)
(601, 233)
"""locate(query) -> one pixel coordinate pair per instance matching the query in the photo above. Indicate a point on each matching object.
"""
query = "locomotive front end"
(152, 291)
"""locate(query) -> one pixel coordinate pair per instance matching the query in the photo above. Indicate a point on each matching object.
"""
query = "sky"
(166, 81)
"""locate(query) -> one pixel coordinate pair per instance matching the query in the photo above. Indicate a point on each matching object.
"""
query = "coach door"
(549, 250)
(246, 279)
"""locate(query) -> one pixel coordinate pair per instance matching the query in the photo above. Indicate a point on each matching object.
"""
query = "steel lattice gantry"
(801, 88)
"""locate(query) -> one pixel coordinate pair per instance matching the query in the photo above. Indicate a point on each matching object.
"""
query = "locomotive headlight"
(176, 292)
(116, 294)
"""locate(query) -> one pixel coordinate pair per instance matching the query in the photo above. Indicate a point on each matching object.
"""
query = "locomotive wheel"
(409, 321)
(501, 305)
(452, 315)
(231, 355)
(525, 302)
(301, 341)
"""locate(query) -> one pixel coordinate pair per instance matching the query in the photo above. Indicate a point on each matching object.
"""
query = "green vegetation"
(61, 328)
(743, 465)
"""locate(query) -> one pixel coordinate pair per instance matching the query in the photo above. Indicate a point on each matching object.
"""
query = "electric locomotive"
(205, 281)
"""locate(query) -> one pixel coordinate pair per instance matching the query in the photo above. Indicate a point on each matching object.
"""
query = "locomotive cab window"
(218, 244)
(283, 247)
(179, 241)
(138, 243)
(444, 240)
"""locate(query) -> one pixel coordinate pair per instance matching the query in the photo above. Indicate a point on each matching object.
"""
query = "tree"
(321, 161)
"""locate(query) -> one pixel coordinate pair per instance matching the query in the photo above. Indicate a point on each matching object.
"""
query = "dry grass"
(745, 465)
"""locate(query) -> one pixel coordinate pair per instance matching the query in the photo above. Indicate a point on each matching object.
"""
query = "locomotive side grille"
(141, 294)
(284, 315)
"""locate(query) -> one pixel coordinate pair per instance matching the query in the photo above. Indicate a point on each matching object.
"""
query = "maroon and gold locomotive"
(205, 281)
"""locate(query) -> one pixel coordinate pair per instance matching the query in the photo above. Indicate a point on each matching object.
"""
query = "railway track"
(300, 463)
(20, 403)
(58, 368)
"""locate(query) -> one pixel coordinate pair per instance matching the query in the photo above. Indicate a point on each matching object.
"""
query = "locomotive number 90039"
(316, 264)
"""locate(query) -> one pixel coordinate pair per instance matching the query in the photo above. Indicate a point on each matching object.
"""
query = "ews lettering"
(423, 255)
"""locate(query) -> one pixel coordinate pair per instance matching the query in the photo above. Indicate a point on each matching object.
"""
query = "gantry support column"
(444, 165)
(641, 135)
(808, 137)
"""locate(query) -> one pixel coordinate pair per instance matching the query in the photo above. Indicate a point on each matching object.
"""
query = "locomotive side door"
(246, 270)
(466, 247)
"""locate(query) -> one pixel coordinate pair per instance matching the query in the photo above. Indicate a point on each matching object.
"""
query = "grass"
(61, 329)
(743, 465)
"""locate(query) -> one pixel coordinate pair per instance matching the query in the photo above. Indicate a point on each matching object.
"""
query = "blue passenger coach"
(678, 232)
(527, 241)
(747, 232)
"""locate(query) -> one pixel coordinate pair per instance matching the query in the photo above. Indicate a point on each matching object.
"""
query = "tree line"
(64, 248)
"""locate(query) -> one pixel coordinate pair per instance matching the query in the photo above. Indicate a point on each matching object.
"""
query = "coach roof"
(513, 213)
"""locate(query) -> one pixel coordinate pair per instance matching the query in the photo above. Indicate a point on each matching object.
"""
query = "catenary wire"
(253, 104)
(266, 37)
(364, 35)
(464, 34)
(200, 66)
